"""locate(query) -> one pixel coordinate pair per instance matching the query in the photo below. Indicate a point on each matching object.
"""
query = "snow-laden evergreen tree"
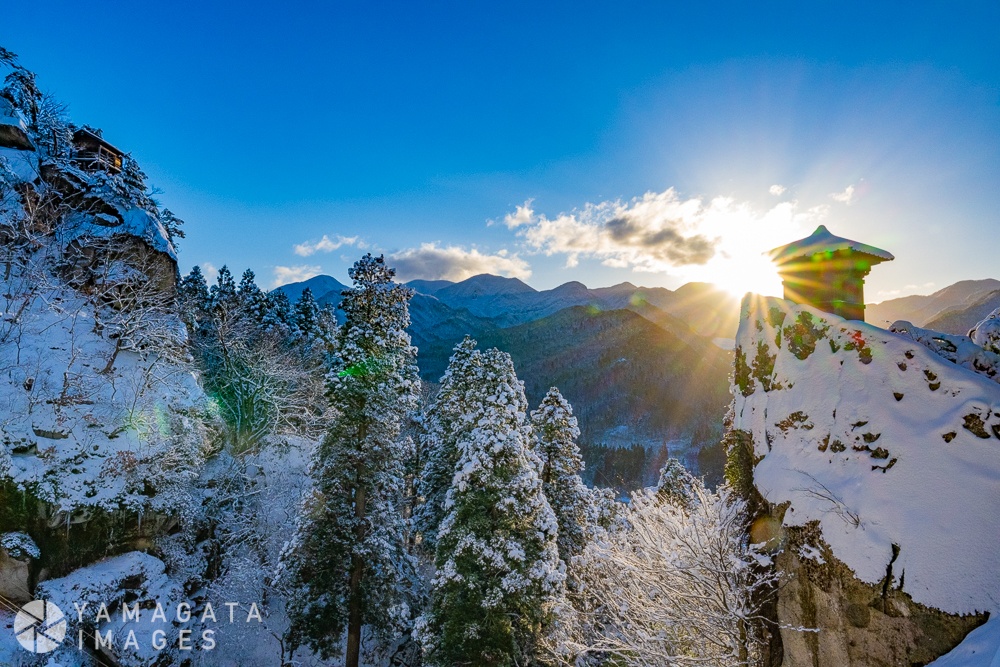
(253, 301)
(348, 559)
(172, 226)
(439, 440)
(306, 318)
(21, 88)
(192, 294)
(223, 295)
(327, 328)
(279, 311)
(676, 484)
(498, 576)
(555, 429)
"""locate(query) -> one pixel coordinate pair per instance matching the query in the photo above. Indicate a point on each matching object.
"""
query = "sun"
(746, 273)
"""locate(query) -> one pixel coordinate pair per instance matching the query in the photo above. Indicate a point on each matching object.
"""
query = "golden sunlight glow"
(739, 275)
(744, 235)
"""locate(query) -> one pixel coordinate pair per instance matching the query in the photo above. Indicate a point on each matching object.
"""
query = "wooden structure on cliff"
(827, 272)
(92, 152)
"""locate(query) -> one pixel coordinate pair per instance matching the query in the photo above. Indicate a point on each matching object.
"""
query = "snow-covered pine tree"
(192, 293)
(439, 441)
(555, 430)
(327, 328)
(348, 558)
(172, 226)
(253, 302)
(279, 311)
(21, 88)
(676, 484)
(223, 294)
(305, 318)
(498, 570)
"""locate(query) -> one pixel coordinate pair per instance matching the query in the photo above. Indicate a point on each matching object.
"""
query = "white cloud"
(522, 215)
(294, 274)
(846, 197)
(433, 262)
(650, 233)
(325, 244)
(777, 190)
(719, 240)
(209, 271)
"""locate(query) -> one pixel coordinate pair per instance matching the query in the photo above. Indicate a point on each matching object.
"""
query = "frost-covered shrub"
(677, 584)
(19, 546)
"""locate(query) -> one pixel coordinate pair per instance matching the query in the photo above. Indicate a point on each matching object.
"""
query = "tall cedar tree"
(555, 429)
(439, 441)
(252, 298)
(348, 558)
(223, 295)
(193, 297)
(498, 570)
(305, 317)
(279, 311)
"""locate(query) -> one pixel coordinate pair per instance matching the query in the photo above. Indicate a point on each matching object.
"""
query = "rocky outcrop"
(827, 617)
(17, 552)
(874, 467)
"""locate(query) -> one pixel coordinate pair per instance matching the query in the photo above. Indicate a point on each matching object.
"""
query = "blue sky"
(601, 142)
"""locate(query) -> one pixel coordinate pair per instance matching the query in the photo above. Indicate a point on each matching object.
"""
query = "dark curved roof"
(83, 135)
(822, 241)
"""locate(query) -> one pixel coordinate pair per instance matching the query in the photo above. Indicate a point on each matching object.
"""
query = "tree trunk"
(114, 355)
(357, 569)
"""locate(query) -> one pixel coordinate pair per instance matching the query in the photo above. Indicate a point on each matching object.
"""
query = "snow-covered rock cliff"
(878, 456)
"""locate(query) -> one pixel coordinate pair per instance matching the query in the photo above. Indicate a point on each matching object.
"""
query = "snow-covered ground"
(883, 442)
(79, 435)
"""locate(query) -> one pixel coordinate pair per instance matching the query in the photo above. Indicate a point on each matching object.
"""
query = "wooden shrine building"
(827, 272)
(93, 152)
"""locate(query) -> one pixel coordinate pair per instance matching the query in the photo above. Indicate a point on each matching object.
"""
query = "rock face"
(17, 551)
(859, 624)
(875, 467)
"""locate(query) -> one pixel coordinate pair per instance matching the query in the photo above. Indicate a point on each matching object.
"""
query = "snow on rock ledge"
(986, 334)
(881, 442)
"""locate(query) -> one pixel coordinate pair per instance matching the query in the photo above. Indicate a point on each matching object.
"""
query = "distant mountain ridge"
(704, 308)
(921, 309)
(637, 374)
(708, 310)
(320, 286)
(959, 320)
(638, 363)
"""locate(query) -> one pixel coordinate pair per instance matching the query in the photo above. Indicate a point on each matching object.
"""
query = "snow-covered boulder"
(118, 604)
(18, 158)
(17, 551)
(877, 461)
(961, 350)
(986, 334)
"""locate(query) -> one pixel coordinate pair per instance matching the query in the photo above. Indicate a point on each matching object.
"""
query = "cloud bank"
(719, 240)
(325, 244)
(434, 262)
(294, 274)
(650, 233)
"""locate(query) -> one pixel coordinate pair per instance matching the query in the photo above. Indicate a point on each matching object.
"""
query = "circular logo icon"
(40, 626)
